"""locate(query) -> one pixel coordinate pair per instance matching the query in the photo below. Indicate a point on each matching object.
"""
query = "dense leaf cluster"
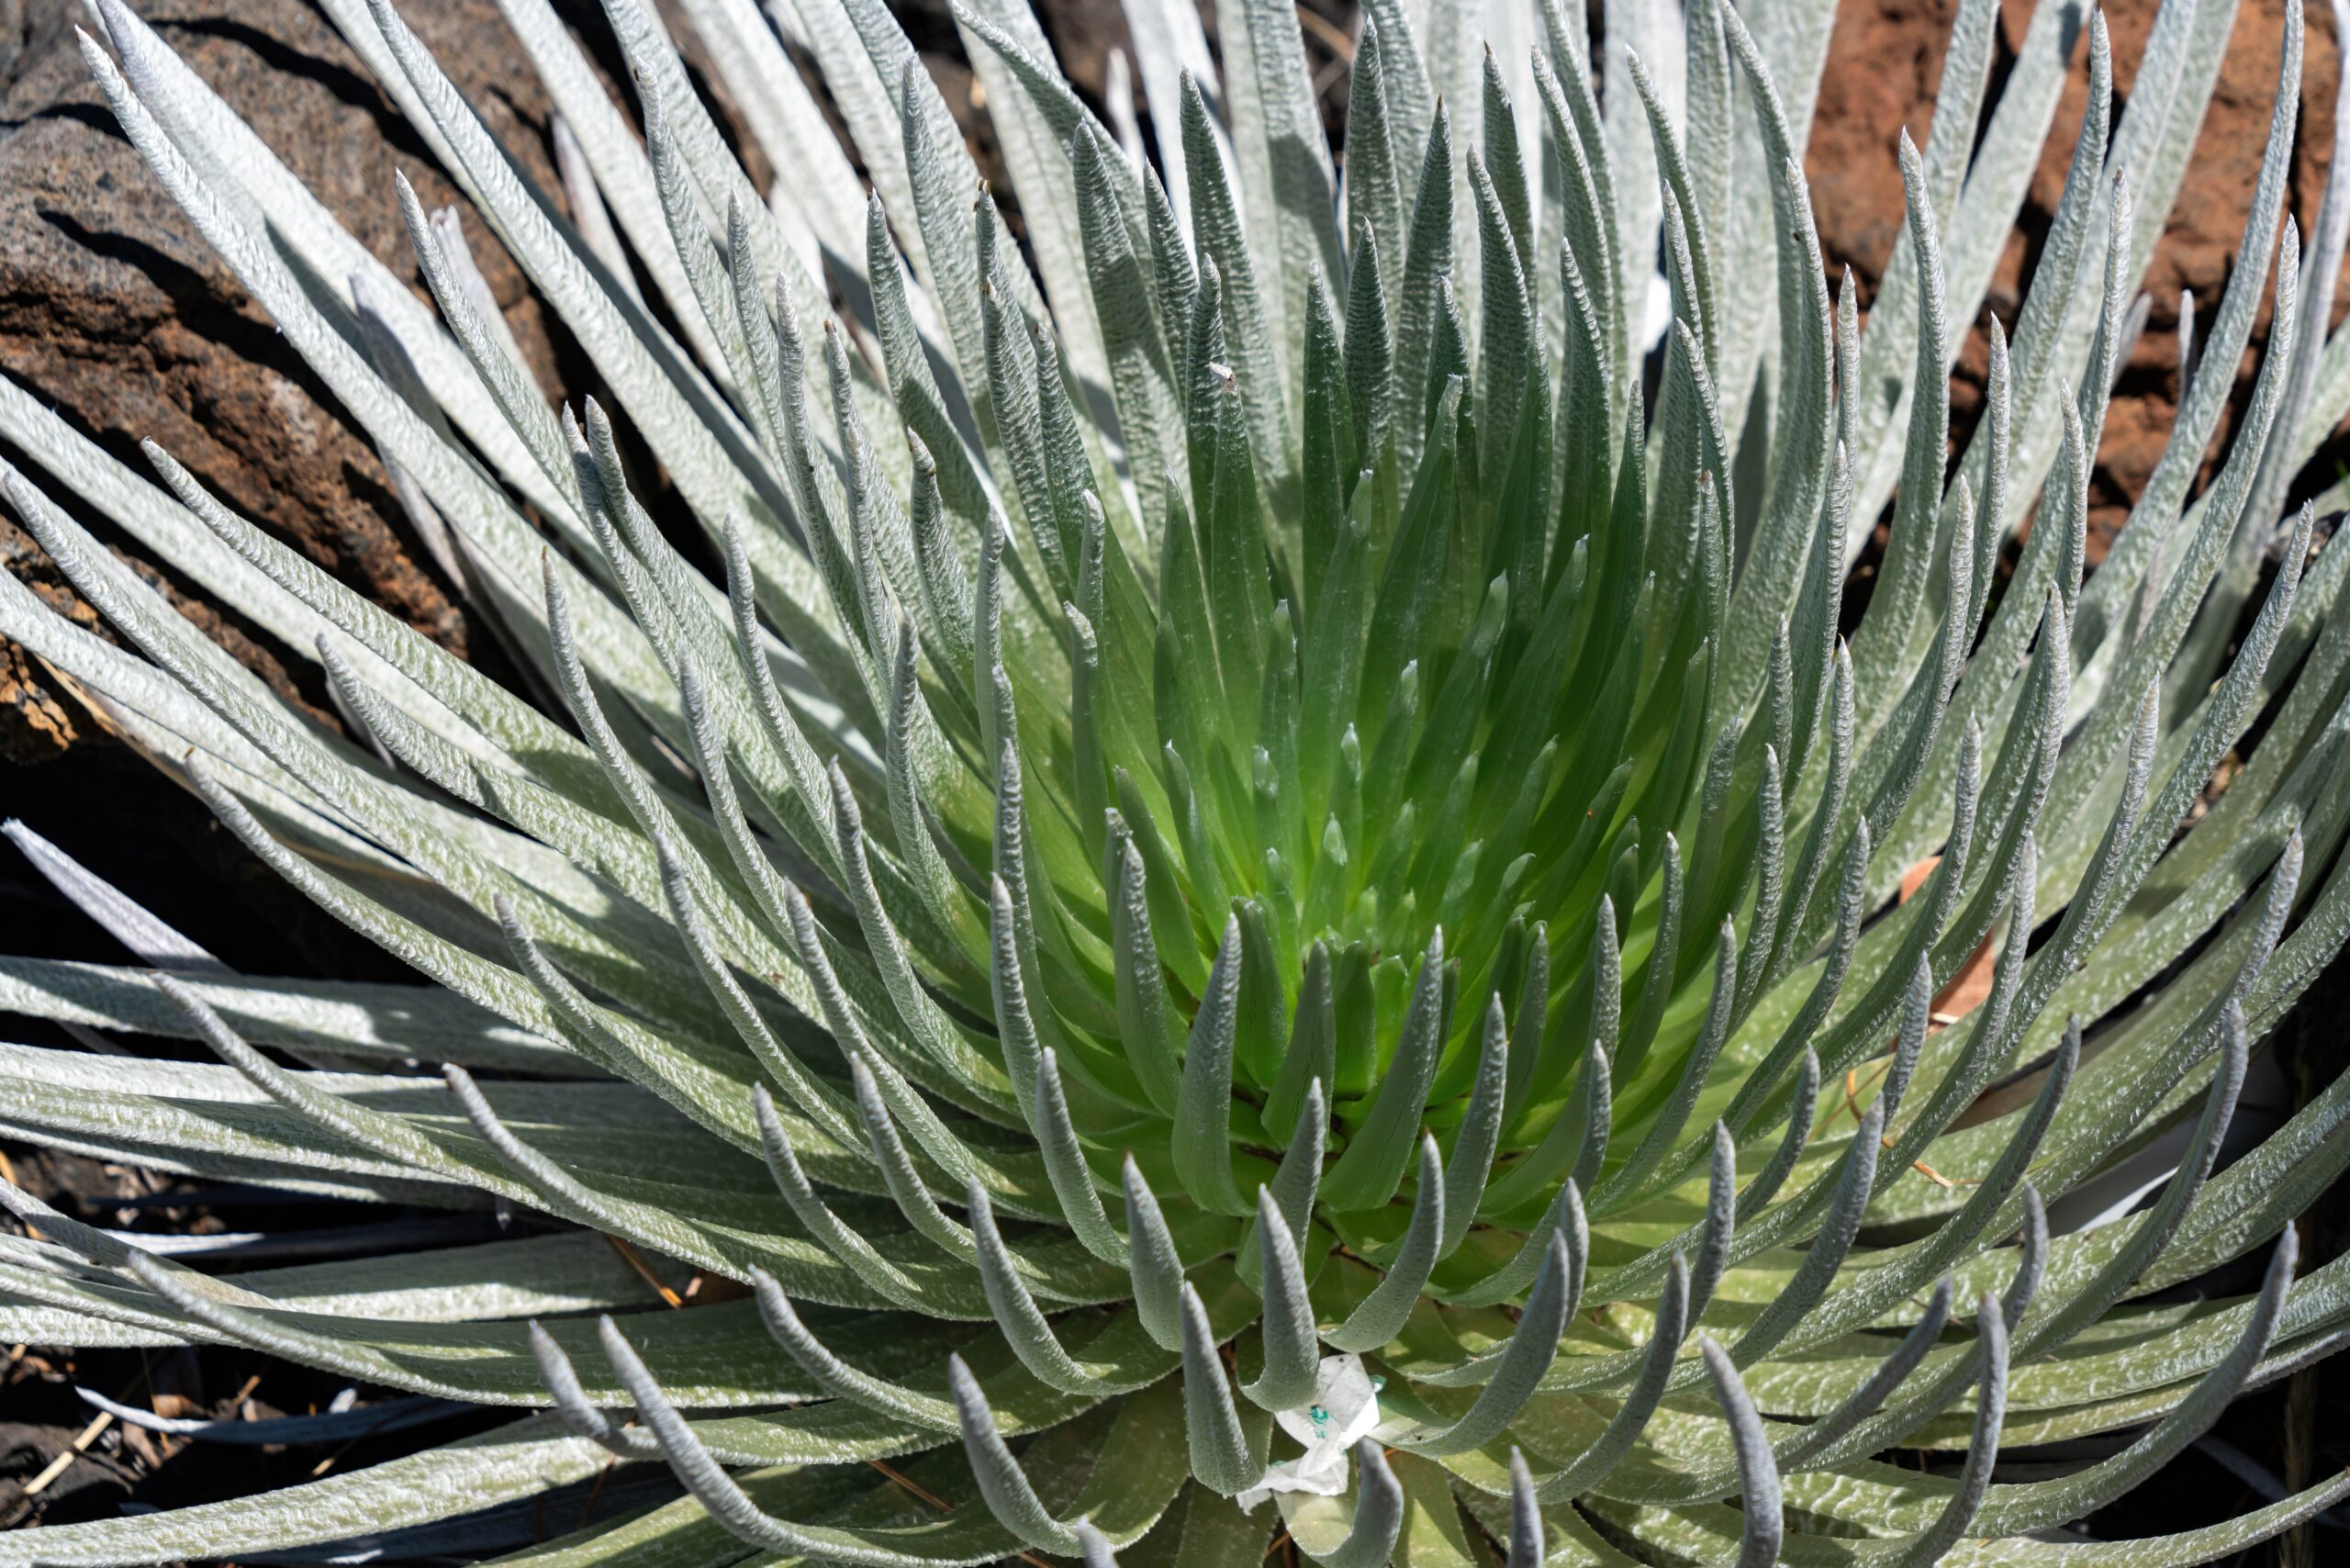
(1272, 780)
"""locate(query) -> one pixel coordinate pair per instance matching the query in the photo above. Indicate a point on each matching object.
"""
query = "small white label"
(1343, 1411)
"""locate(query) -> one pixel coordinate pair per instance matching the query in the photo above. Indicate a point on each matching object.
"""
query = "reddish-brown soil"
(1885, 61)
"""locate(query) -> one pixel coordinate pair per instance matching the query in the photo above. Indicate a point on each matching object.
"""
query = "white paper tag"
(1343, 1409)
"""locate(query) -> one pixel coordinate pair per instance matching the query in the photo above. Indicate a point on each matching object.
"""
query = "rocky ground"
(114, 310)
(1883, 63)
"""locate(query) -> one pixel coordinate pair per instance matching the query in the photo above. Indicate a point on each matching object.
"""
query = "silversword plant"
(1266, 877)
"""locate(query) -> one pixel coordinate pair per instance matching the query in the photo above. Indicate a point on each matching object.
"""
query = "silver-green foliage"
(1248, 795)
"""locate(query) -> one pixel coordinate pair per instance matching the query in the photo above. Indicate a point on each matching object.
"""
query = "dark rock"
(115, 311)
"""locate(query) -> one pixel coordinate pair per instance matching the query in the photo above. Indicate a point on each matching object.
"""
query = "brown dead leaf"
(1972, 984)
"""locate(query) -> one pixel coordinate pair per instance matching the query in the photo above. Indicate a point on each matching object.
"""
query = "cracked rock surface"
(116, 315)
